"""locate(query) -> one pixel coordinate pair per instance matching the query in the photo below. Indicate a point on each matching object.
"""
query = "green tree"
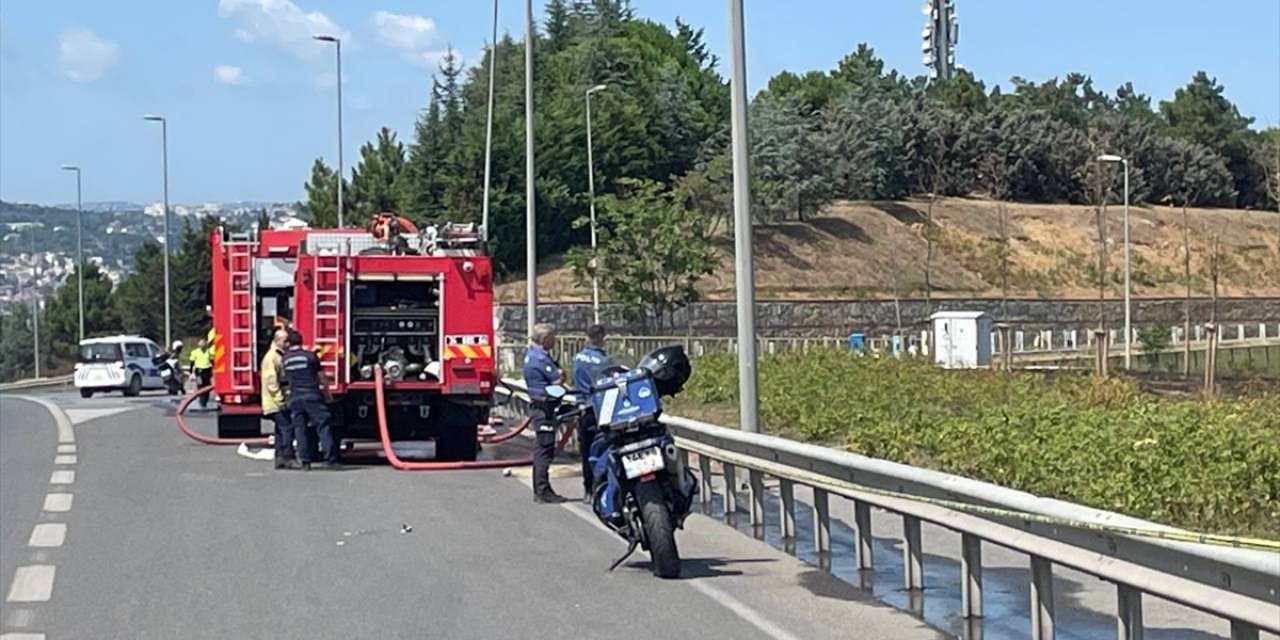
(321, 205)
(62, 310)
(16, 353)
(653, 250)
(191, 270)
(373, 180)
(786, 159)
(139, 300)
(1200, 113)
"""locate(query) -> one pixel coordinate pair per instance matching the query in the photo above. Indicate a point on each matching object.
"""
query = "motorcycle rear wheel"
(658, 532)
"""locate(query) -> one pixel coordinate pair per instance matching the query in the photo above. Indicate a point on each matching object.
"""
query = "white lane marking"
(66, 448)
(21, 636)
(740, 609)
(62, 477)
(79, 416)
(66, 459)
(48, 535)
(20, 619)
(66, 435)
(734, 605)
(58, 502)
(32, 584)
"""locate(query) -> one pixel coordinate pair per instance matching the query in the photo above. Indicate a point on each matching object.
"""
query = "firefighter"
(587, 367)
(202, 370)
(540, 372)
(308, 402)
(273, 401)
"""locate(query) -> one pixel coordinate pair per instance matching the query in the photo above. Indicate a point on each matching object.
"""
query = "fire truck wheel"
(458, 429)
(249, 426)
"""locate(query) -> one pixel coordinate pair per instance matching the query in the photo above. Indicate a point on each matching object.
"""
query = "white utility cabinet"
(962, 339)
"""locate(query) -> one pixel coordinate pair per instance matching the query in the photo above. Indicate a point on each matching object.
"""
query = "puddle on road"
(1005, 589)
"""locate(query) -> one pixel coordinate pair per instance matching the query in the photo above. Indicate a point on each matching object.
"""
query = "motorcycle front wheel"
(658, 532)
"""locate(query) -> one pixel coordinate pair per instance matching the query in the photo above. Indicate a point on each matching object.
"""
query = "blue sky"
(250, 97)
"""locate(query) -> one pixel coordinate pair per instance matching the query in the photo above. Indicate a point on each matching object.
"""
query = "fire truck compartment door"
(274, 273)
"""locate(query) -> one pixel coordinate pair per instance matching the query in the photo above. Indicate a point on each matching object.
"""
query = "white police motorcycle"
(642, 491)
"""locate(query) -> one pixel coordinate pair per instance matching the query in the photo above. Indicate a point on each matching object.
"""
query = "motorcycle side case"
(626, 398)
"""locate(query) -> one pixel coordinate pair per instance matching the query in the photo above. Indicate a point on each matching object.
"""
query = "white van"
(118, 363)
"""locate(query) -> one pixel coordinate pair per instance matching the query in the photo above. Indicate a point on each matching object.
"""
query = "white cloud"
(415, 37)
(83, 56)
(281, 23)
(228, 74)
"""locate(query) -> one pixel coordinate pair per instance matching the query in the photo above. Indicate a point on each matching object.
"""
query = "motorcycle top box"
(624, 399)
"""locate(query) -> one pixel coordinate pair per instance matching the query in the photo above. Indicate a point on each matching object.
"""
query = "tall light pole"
(79, 244)
(164, 156)
(591, 192)
(341, 175)
(35, 299)
(531, 248)
(1128, 329)
(488, 129)
(748, 403)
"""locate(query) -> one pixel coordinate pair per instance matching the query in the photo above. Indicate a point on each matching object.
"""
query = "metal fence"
(56, 382)
(1138, 557)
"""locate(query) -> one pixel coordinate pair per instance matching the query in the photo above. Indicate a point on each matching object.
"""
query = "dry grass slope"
(867, 249)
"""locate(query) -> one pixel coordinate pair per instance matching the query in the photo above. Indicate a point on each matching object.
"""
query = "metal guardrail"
(1238, 585)
(60, 382)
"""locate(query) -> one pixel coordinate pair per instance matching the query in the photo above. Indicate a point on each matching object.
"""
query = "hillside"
(854, 249)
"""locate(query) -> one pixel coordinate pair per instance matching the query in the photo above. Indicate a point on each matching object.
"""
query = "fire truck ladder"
(244, 329)
(327, 322)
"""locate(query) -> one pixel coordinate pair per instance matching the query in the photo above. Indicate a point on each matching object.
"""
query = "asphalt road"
(171, 539)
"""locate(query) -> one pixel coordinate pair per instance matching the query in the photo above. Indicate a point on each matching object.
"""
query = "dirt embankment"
(869, 249)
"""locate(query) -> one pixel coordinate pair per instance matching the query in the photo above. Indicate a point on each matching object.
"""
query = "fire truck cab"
(420, 306)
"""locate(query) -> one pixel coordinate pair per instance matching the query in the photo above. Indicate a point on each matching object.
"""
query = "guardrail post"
(970, 576)
(1128, 613)
(787, 509)
(912, 556)
(730, 490)
(862, 533)
(1041, 599)
(821, 521)
(704, 478)
(1243, 631)
(755, 480)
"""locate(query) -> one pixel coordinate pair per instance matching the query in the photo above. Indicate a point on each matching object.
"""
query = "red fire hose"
(182, 424)
(503, 437)
(444, 466)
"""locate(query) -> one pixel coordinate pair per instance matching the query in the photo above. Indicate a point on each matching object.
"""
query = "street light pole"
(591, 191)
(488, 129)
(749, 406)
(164, 155)
(1128, 328)
(35, 299)
(341, 175)
(79, 245)
(531, 248)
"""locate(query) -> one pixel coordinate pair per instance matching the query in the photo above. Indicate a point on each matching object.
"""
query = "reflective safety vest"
(201, 358)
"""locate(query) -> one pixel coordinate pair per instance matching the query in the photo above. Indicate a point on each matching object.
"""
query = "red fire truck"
(420, 304)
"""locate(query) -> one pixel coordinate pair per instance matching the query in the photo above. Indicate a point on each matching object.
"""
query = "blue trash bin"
(857, 342)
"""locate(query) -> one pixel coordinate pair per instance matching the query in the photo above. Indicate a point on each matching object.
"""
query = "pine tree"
(373, 180)
(321, 207)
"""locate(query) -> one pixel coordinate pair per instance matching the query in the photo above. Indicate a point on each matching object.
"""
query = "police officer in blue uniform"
(540, 372)
(308, 402)
(588, 366)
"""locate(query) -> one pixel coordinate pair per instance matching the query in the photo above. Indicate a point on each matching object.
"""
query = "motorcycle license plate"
(643, 462)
